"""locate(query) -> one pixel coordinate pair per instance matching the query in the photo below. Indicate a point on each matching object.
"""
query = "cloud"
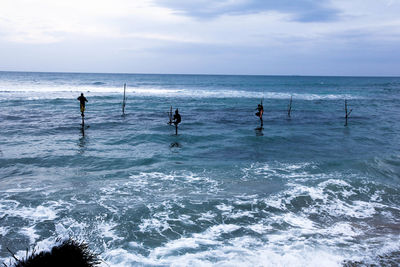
(203, 36)
(301, 10)
(49, 21)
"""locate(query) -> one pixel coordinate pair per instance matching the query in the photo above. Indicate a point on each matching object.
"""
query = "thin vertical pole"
(290, 106)
(124, 101)
(347, 112)
(170, 115)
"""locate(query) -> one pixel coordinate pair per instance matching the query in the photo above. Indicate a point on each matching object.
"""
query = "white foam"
(70, 227)
(299, 221)
(333, 206)
(241, 251)
(30, 232)
(3, 230)
(107, 230)
(343, 230)
(19, 190)
(66, 91)
(246, 200)
(185, 219)
(6, 204)
(224, 207)
(207, 216)
(172, 246)
(175, 180)
(149, 225)
(47, 244)
(133, 244)
(217, 230)
(260, 228)
(121, 258)
(241, 214)
(377, 195)
(39, 213)
(284, 198)
(43, 245)
(275, 202)
(298, 240)
(355, 209)
(288, 171)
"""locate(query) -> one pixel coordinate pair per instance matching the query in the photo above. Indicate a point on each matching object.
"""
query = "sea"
(303, 190)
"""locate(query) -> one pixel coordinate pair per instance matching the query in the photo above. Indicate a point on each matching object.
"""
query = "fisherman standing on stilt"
(260, 112)
(82, 99)
(177, 120)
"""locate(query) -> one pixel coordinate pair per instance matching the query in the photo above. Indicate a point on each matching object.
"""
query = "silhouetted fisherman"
(260, 112)
(177, 120)
(82, 99)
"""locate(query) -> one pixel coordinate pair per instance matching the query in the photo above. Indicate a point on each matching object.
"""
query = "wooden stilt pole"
(170, 115)
(346, 111)
(262, 113)
(83, 123)
(289, 107)
(83, 130)
(124, 101)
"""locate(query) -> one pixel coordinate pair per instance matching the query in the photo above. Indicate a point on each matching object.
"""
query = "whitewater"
(303, 190)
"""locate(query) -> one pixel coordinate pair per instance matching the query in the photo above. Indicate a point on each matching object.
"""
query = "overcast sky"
(272, 37)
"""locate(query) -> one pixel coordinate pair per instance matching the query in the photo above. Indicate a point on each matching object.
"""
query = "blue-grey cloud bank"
(302, 10)
(329, 37)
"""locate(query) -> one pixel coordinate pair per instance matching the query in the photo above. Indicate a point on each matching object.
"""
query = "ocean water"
(301, 191)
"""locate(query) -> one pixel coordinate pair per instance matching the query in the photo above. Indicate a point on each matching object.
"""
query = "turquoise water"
(303, 191)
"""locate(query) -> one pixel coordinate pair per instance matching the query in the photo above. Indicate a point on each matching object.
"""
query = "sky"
(264, 37)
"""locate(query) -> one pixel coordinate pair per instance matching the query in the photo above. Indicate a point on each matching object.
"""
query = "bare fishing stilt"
(124, 101)
(347, 112)
(289, 107)
(170, 116)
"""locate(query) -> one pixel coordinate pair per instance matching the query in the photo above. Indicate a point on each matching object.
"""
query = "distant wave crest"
(59, 92)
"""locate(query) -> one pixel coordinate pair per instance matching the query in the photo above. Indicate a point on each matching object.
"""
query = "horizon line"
(207, 74)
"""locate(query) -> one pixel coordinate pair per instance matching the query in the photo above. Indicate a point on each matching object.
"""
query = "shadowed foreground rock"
(68, 253)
